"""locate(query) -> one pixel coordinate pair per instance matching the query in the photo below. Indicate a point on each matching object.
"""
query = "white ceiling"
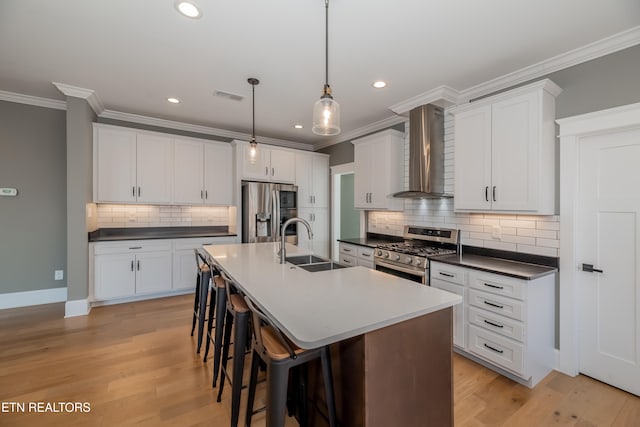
(135, 54)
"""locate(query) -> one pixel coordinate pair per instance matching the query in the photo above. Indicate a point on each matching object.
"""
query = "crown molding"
(365, 130)
(206, 130)
(443, 96)
(32, 100)
(78, 92)
(597, 49)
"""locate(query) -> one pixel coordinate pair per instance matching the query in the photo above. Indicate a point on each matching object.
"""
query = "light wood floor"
(136, 365)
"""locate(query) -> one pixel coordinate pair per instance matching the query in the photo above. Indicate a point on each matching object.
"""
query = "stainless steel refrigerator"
(265, 207)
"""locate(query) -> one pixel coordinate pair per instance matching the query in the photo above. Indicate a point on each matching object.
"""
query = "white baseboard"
(28, 298)
(100, 303)
(79, 307)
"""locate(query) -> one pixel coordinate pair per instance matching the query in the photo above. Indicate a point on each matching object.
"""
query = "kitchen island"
(391, 338)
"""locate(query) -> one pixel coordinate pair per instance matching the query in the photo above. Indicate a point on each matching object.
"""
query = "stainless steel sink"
(305, 259)
(321, 266)
(313, 263)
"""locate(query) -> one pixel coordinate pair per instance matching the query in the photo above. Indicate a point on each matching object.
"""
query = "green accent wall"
(349, 217)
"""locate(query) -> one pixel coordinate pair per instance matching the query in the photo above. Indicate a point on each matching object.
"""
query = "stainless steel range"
(409, 259)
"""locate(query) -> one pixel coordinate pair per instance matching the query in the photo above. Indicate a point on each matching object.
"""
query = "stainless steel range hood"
(426, 154)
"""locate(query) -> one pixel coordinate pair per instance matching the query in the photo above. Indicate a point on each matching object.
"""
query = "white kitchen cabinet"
(184, 260)
(130, 268)
(312, 179)
(351, 255)
(202, 172)
(131, 167)
(379, 170)
(319, 221)
(268, 164)
(451, 278)
(509, 323)
(505, 152)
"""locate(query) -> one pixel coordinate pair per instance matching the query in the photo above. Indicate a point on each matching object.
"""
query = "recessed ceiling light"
(298, 126)
(188, 9)
(173, 100)
(379, 84)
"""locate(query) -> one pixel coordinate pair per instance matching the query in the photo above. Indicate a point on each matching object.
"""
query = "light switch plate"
(8, 191)
(59, 275)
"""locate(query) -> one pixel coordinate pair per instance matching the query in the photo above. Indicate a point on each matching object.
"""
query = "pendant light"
(326, 111)
(253, 145)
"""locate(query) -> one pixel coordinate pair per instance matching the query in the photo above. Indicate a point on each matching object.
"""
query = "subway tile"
(500, 245)
(538, 250)
(534, 232)
(517, 223)
(519, 240)
(548, 243)
(542, 225)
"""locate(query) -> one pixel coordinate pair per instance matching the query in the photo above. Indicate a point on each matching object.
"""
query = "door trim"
(572, 132)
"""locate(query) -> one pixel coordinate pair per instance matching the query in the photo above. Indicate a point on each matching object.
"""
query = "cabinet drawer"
(447, 272)
(499, 324)
(497, 304)
(351, 250)
(365, 263)
(348, 260)
(497, 284)
(131, 246)
(365, 253)
(494, 348)
(193, 243)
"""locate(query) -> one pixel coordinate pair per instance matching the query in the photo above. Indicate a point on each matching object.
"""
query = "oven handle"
(420, 273)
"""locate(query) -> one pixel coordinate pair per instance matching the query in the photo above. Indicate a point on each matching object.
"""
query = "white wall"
(531, 234)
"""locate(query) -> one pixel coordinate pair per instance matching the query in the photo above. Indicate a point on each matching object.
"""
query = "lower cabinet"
(145, 268)
(507, 323)
(125, 269)
(318, 218)
(352, 255)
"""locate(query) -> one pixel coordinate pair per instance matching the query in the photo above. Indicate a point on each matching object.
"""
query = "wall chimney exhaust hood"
(426, 154)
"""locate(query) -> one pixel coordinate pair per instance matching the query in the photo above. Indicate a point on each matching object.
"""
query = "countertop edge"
(448, 259)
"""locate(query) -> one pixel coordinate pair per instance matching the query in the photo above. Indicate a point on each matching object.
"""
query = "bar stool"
(217, 304)
(200, 299)
(280, 356)
(238, 313)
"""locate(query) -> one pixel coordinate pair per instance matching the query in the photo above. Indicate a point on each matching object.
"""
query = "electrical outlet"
(59, 275)
(495, 232)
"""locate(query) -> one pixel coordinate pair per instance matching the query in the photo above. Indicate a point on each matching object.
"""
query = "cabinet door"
(114, 276)
(154, 168)
(458, 310)
(473, 189)
(115, 166)
(304, 179)
(283, 166)
(188, 172)
(320, 227)
(153, 272)
(257, 166)
(362, 180)
(184, 269)
(217, 174)
(303, 236)
(515, 153)
(380, 175)
(320, 180)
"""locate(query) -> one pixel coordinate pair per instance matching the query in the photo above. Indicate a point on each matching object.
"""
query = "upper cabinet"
(379, 170)
(202, 172)
(131, 167)
(505, 152)
(312, 179)
(267, 164)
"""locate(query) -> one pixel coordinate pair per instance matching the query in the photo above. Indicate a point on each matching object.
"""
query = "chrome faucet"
(283, 251)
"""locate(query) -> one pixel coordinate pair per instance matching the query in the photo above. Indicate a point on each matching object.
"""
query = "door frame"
(572, 132)
(336, 172)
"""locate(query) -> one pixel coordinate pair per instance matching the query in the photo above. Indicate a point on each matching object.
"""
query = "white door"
(114, 276)
(362, 154)
(608, 228)
(116, 166)
(283, 166)
(153, 272)
(217, 174)
(154, 168)
(188, 172)
(320, 181)
(320, 227)
(256, 166)
(304, 179)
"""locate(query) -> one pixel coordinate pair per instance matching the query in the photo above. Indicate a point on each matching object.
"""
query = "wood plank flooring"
(135, 364)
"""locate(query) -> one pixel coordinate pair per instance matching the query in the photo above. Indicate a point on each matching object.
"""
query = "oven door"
(415, 275)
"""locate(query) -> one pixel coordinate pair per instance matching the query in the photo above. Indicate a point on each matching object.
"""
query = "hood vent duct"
(426, 154)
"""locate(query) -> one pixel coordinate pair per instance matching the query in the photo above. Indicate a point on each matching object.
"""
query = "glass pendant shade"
(326, 116)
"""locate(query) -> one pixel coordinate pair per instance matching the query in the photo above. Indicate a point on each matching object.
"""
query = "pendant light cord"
(326, 45)
(253, 112)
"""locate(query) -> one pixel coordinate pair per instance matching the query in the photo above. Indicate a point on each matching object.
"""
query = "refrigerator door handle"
(275, 215)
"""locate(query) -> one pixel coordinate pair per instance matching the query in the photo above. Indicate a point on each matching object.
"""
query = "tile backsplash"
(532, 234)
(112, 215)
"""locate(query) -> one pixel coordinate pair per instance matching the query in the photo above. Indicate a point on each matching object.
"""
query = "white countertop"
(320, 308)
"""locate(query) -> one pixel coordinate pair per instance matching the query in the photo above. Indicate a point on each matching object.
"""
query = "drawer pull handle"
(135, 247)
(138, 263)
(494, 349)
(446, 274)
(365, 254)
(494, 305)
(493, 286)
(493, 324)
(346, 250)
(131, 265)
(346, 261)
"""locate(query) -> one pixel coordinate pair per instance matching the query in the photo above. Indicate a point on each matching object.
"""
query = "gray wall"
(33, 225)
(80, 119)
(162, 129)
(339, 154)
